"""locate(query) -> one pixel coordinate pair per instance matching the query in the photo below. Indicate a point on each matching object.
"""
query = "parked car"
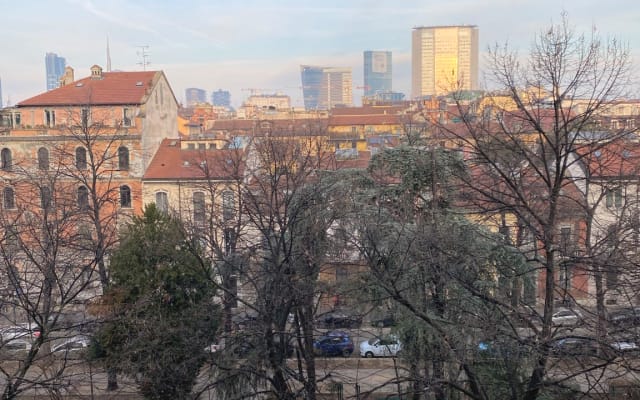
(625, 346)
(579, 346)
(333, 345)
(27, 331)
(567, 317)
(339, 319)
(383, 321)
(624, 318)
(388, 346)
(74, 347)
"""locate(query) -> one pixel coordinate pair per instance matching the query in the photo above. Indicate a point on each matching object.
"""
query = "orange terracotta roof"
(619, 159)
(173, 163)
(113, 88)
(372, 119)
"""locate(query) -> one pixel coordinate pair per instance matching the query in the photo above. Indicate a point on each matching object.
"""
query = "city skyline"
(198, 44)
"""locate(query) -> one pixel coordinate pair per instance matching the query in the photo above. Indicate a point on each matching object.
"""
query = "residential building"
(377, 72)
(55, 69)
(324, 88)
(221, 98)
(129, 113)
(195, 96)
(443, 59)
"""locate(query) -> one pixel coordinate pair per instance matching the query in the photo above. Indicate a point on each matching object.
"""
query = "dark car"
(580, 346)
(625, 317)
(383, 321)
(339, 319)
(333, 345)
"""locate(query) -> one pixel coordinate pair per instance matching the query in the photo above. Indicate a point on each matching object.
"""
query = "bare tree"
(44, 270)
(527, 143)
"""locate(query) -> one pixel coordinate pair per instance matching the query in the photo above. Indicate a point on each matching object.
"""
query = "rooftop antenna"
(108, 56)
(144, 54)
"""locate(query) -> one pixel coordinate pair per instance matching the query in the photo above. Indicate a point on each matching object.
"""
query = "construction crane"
(257, 91)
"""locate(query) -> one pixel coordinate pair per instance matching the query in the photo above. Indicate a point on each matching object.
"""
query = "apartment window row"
(199, 205)
(127, 118)
(6, 158)
(46, 201)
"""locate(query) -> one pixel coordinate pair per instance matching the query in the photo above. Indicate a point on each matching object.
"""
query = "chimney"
(67, 77)
(96, 72)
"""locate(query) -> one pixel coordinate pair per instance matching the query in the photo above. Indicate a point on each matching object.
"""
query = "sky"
(239, 45)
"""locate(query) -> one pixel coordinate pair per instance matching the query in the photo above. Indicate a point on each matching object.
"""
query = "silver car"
(387, 346)
(567, 317)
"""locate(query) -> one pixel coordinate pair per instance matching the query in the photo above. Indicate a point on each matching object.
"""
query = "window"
(565, 241)
(231, 292)
(126, 117)
(49, 118)
(81, 158)
(228, 205)
(613, 198)
(5, 159)
(45, 197)
(123, 158)
(17, 119)
(229, 240)
(162, 202)
(43, 159)
(198, 208)
(83, 198)
(125, 196)
(84, 116)
(8, 198)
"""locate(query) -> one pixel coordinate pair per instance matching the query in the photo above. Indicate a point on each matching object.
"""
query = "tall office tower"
(444, 58)
(195, 96)
(221, 98)
(377, 72)
(55, 69)
(326, 87)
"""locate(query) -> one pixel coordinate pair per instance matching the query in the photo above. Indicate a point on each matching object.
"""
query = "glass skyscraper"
(326, 87)
(377, 72)
(443, 59)
(55, 69)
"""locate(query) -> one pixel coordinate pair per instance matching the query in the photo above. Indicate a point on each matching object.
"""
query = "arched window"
(81, 158)
(83, 198)
(198, 208)
(45, 197)
(125, 196)
(8, 198)
(162, 202)
(5, 156)
(123, 158)
(43, 159)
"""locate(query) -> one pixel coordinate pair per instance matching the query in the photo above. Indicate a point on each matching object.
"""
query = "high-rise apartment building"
(195, 96)
(377, 72)
(444, 58)
(55, 69)
(326, 87)
(221, 98)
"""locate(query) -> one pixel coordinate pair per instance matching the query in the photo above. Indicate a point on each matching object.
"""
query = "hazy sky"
(242, 44)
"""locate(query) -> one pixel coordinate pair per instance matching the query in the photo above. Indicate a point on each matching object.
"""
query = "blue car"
(333, 345)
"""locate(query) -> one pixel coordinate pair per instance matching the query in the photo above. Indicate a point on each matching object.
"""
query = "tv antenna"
(143, 53)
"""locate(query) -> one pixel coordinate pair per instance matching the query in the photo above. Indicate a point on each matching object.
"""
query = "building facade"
(443, 59)
(195, 96)
(377, 72)
(324, 88)
(55, 69)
